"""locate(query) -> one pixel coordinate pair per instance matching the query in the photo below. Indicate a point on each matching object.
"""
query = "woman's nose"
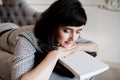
(72, 38)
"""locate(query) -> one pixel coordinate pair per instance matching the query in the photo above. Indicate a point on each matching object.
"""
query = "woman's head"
(60, 15)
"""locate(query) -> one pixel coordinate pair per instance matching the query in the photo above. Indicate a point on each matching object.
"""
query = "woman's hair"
(61, 12)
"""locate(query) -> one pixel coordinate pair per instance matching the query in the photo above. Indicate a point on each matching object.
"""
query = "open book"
(83, 65)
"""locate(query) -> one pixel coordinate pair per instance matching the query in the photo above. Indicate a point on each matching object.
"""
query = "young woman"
(36, 50)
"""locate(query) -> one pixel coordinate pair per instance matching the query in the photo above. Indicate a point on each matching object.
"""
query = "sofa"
(18, 12)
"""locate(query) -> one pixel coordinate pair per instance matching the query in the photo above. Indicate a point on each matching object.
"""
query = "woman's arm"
(88, 46)
(45, 68)
(23, 61)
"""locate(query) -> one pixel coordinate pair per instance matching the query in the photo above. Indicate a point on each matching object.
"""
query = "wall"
(41, 5)
(103, 27)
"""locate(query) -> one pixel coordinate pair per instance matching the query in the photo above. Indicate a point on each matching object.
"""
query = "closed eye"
(78, 31)
(67, 30)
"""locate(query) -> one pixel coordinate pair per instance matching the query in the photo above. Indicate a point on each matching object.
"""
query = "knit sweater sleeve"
(23, 58)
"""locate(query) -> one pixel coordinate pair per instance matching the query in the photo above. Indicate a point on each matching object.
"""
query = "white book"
(83, 65)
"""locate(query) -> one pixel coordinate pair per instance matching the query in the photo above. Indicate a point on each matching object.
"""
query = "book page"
(84, 65)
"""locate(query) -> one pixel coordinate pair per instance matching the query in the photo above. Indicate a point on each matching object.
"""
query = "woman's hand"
(65, 51)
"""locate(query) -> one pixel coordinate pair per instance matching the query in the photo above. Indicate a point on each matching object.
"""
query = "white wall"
(41, 5)
(103, 27)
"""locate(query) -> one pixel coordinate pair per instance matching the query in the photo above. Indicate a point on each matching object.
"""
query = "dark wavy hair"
(61, 12)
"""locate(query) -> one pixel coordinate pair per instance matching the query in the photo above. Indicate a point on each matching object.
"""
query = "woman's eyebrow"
(68, 28)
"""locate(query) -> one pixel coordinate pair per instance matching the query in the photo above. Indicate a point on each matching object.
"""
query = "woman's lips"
(69, 43)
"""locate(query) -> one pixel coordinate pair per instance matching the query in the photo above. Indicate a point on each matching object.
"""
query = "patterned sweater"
(23, 44)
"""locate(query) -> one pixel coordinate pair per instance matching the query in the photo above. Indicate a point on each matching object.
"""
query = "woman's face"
(67, 35)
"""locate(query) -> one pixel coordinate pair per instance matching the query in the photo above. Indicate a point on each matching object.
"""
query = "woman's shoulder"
(28, 33)
(27, 27)
(30, 37)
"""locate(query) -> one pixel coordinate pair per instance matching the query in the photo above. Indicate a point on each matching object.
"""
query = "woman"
(36, 50)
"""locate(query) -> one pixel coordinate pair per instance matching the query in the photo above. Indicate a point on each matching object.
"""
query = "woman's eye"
(78, 31)
(66, 31)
